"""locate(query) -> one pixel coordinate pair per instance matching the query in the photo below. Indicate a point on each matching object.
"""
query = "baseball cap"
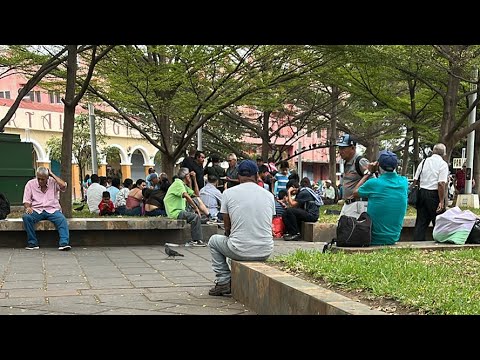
(247, 168)
(346, 140)
(387, 160)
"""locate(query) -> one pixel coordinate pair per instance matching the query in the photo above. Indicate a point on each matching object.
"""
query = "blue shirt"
(387, 205)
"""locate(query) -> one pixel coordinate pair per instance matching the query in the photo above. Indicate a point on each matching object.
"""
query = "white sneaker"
(199, 243)
(64, 248)
(29, 247)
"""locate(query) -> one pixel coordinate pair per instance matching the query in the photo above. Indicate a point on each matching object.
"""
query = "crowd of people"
(247, 196)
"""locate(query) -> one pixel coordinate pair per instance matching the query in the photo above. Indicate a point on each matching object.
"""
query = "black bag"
(352, 232)
(474, 237)
(413, 191)
(413, 196)
(4, 206)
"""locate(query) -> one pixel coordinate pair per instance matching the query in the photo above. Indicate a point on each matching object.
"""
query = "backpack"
(352, 232)
(4, 206)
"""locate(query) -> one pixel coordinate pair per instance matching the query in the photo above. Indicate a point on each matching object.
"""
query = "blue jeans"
(219, 249)
(57, 218)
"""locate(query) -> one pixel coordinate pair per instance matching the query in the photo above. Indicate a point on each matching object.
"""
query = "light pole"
(93, 138)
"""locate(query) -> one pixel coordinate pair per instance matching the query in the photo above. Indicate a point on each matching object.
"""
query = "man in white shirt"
(329, 193)
(433, 173)
(94, 194)
(248, 226)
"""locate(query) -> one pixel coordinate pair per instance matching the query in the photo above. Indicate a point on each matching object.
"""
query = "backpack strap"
(357, 165)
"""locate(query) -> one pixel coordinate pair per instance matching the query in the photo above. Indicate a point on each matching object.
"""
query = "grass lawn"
(428, 282)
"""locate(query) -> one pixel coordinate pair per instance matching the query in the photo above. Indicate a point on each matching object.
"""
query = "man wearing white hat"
(329, 193)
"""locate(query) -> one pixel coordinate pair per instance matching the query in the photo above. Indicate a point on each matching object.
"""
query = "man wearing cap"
(248, 226)
(387, 199)
(347, 149)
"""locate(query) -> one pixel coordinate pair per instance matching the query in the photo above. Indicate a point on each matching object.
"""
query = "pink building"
(315, 162)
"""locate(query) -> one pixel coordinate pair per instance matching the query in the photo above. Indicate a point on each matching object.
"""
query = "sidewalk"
(136, 280)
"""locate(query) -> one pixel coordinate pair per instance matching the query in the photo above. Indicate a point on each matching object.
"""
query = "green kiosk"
(16, 167)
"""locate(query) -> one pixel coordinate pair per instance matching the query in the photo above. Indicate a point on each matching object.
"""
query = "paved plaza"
(120, 280)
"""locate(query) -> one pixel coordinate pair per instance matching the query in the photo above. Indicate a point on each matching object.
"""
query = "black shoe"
(220, 290)
(295, 237)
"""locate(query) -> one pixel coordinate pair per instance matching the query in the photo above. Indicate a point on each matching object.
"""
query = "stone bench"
(321, 232)
(104, 231)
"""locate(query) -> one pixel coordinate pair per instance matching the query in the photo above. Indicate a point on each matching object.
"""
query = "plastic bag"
(278, 227)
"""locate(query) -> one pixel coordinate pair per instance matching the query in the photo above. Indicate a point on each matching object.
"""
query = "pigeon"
(171, 252)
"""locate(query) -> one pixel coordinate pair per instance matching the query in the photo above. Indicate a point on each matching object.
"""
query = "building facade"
(40, 117)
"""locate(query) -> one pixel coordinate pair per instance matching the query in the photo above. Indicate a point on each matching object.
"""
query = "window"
(4, 94)
(54, 97)
(31, 95)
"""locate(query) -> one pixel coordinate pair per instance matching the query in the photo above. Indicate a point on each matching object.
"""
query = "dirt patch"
(389, 306)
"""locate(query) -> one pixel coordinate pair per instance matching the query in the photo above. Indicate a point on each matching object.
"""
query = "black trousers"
(292, 218)
(426, 211)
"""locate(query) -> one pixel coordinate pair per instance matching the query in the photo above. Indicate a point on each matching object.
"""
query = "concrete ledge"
(99, 232)
(100, 223)
(321, 232)
(269, 291)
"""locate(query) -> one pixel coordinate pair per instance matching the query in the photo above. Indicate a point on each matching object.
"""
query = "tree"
(81, 146)
(168, 92)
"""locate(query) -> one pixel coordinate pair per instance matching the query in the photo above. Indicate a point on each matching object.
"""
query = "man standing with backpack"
(355, 167)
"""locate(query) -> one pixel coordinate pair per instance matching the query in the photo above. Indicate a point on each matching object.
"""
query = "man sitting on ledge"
(40, 199)
(248, 226)
(387, 198)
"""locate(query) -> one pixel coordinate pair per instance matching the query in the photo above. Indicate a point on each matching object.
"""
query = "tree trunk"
(405, 157)
(168, 165)
(265, 137)
(68, 124)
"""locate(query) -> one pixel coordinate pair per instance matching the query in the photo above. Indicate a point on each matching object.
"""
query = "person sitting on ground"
(266, 177)
(134, 203)
(280, 203)
(94, 193)
(305, 207)
(178, 194)
(154, 205)
(40, 200)
(212, 197)
(148, 179)
(329, 197)
(106, 206)
(248, 226)
(281, 178)
(122, 195)
(114, 189)
(387, 199)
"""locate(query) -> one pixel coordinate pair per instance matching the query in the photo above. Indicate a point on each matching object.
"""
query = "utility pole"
(471, 136)
(93, 138)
